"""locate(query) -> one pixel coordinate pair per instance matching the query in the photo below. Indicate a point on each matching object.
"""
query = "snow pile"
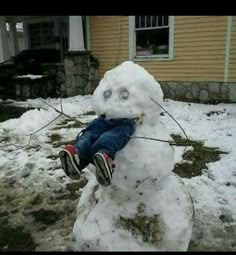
(30, 76)
(146, 208)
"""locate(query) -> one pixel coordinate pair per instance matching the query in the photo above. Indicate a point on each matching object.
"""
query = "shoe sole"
(103, 171)
(68, 163)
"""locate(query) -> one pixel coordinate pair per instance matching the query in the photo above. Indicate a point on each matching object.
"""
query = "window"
(41, 34)
(151, 37)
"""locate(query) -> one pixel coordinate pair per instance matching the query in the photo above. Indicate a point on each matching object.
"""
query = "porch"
(29, 51)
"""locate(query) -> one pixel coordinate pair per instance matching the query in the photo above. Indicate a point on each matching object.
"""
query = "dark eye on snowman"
(124, 94)
(107, 94)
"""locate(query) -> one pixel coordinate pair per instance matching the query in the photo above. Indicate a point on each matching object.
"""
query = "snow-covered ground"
(34, 171)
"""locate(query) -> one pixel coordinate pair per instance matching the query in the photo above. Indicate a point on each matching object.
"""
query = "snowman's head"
(125, 91)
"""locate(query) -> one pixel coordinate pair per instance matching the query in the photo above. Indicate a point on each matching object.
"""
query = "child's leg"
(107, 145)
(114, 139)
(75, 158)
(87, 138)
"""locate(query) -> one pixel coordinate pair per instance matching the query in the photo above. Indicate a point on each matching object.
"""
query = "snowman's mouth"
(131, 118)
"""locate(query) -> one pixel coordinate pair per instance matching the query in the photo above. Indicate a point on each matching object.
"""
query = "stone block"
(204, 96)
(180, 90)
(68, 62)
(195, 90)
(232, 92)
(78, 60)
(172, 84)
(73, 81)
(214, 88)
(70, 92)
(85, 70)
(60, 77)
(224, 91)
(188, 95)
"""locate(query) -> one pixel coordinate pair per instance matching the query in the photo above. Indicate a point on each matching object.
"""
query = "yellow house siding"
(199, 50)
(199, 47)
(232, 58)
(109, 40)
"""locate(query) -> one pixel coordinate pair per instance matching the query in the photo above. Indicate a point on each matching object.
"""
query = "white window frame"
(132, 43)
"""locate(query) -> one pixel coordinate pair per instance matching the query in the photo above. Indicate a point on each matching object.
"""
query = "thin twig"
(45, 125)
(170, 116)
(17, 148)
(173, 143)
(36, 131)
(72, 118)
(153, 139)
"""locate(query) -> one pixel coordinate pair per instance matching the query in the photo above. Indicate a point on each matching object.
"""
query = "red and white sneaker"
(104, 168)
(70, 162)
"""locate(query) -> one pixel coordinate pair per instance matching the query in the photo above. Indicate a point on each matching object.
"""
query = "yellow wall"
(199, 47)
(109, 40)
(232, 59)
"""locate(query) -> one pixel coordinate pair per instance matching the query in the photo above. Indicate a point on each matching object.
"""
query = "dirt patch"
(75, 186)
(75, 124)
(148, 228)
(60, 143)
(14, 238)
(55, 137)
(197, 158)
(56, 141)
(28, 218)
(48, 217)
(90, 113)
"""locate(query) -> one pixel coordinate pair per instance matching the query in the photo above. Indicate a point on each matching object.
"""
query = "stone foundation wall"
(81, 71)
(50, 85)
(56, 79)
(30, 88)
(202, 92)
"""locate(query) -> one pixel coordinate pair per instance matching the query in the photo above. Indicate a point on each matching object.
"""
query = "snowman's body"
(146, 207)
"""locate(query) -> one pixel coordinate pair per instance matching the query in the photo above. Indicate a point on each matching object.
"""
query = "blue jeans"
(103, 135)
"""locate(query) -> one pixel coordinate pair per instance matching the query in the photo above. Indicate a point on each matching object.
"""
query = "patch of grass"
(73, 189)
(90, 113)
(180, 141)
(8, 198)
(149, 228)
(75, 124)
(15, 238)
(59, 144)
(3, 214)
(75, 186)
(37, 200)
(199, 157)
(55, 137)
(56, 142)
(47, 217)
(68, 196)
(64, 122)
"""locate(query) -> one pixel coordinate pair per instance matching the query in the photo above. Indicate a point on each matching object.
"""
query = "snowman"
(147, 207)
